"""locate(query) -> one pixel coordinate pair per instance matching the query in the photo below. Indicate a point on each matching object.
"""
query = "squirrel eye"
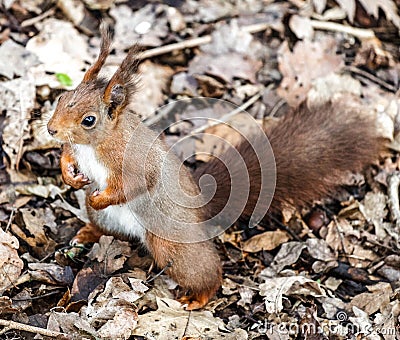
(88, 121)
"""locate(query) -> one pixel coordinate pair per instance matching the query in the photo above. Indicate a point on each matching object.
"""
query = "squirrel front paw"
(74, 178)
(98, 200)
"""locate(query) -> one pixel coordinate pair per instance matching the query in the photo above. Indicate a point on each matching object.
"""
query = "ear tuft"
(122, 85)
(94, 70)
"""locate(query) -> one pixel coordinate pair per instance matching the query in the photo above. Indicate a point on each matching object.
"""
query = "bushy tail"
(313, 150)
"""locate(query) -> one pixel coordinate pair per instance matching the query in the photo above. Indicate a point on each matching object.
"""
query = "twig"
(393, 182)
(371, 77)
(340, 233)
(276, 107)
(283, 227)
(169, 264)
(226, 117)
(187, 325)
(37, 297)
(162, 112)
(8, 325)
(10, 219)
(190, 43)
(360, 33)
(40, 17)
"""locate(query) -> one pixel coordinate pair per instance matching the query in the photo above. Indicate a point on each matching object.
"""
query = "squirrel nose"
(52, 132)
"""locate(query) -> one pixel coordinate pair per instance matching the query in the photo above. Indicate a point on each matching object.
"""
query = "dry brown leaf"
(333, 237)
(154, 80)
(182, 83)
(319, 5)
(230, 38)
(61, 49)
(6, 306)
(362, 258)
(15, 59)
(287, 255)
(146, 26)
(99, 4)
(335, 88)
(374, 210)
(171, 321)
(373, 56)
(349, 6)
(17, 98)
(307, 62)
(51, 273)
(71, 324)
(111, 307)
(389, 7)
(301, 27)
(42, 189)
(121, 326)
(273, 290)
(36, 222)
(377, 299)
(110, 251)
(225, 67)
(246, 296)
(10, 263)
(320, 250)
(266, 241)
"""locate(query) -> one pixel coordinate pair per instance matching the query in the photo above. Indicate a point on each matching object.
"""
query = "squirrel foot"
(194, 301)
(98, 200)
(89, 233)
(75, 178)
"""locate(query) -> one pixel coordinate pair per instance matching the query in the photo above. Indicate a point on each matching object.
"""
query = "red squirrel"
(312, 148)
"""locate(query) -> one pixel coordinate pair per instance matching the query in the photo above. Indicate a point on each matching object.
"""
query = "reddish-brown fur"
(312, 150)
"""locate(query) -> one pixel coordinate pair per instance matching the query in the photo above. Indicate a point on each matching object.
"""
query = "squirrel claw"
(96, 193)
(75, 178)
(80, 177)
(97, 200)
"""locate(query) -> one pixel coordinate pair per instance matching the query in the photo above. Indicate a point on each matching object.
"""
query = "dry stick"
(393, 182)
(9, 325)
(32, 21)
(371, 77)
(360, 33)
(224, 118)
(10, 219)
(190, 43)
(276, 107)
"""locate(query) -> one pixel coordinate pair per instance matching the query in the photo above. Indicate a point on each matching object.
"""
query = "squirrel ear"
(117, 95)
(116, 98)
(94, 70)
(123, 83)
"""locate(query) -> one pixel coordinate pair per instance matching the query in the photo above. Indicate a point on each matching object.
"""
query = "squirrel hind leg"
(195, 267)
(196, 300)
(89, 233)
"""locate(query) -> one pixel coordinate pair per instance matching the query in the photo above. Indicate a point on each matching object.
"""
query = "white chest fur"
(89, 164)
(115, 218)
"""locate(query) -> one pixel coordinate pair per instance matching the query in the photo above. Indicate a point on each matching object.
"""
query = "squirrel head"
(87, 113)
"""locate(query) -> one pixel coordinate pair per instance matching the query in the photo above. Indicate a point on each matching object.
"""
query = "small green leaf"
(64, 79)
